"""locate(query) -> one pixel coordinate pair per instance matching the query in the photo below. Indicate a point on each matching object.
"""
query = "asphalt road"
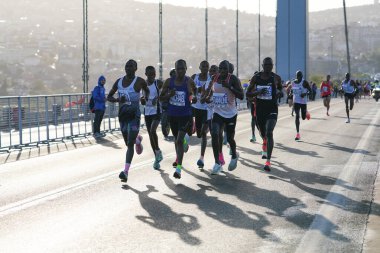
(316, 199)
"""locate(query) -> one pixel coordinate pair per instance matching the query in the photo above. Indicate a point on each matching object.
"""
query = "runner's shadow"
(316, 118)
(334, 147)
(107, 143)
(343, 117)
(342, 202)
(290, 175)
(217, 209)
(162, 217)
(297, 151)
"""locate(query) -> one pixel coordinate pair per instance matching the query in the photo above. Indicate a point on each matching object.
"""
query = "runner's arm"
(165, 93)
(251, 90)
(192, 90)
(236, 88)
(112, 92)
(277, 80)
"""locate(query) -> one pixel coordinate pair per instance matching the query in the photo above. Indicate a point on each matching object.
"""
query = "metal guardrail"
(34, 120)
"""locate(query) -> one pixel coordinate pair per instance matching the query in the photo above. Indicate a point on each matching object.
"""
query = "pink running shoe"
(221, 159)
(298, 137)
(139, 146)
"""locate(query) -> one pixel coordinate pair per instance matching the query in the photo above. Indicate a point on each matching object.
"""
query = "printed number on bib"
(178, 99)
(220, 99)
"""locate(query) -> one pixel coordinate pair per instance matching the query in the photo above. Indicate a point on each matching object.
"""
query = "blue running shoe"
(200, 164)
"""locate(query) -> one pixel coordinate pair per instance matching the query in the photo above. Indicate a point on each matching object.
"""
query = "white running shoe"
(216, 169)
(233, 163)
(348, 120)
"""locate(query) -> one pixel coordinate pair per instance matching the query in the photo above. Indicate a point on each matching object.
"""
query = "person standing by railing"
(99, 96)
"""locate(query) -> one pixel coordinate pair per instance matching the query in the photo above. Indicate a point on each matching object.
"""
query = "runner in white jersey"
(226, 88)
(200, 108)
(129, 88)
(299, 89)
(152, 113)
(349, 88)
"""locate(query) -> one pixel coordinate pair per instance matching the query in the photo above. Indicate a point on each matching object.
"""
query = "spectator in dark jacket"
(99, 95)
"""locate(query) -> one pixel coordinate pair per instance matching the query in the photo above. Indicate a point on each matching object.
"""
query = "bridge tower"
(292, 38)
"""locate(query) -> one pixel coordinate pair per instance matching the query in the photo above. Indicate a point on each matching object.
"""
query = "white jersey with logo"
(132, 97)
(298, 89)
(224, 101)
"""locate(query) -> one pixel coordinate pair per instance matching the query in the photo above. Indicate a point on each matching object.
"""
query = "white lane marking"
(50, 195)
(327, 218)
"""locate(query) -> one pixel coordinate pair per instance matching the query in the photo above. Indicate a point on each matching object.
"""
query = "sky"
(268, 7)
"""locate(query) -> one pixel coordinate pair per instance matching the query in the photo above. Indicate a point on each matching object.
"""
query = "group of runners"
(207, 102)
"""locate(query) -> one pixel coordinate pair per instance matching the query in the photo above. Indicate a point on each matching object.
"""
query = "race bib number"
(325, 89)
(178, 99)
(268, 92)
(220, 99)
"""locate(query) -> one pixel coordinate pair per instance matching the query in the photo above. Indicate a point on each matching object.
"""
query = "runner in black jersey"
(266, 87)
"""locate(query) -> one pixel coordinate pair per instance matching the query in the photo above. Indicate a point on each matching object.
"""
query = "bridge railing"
(34, 120)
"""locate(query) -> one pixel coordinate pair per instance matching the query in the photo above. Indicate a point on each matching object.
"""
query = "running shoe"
(264, 154)
(267, 166)
(327, 113)
(123, 176)
(298, 137)
(233, 163)
(221, 159)
(348, 120)
(156, 165)
(253, 139)
(216, 169)
(139, 146)
(186, 140)
(200, 164)
(307, 115)
(177, 173)
(159, 156)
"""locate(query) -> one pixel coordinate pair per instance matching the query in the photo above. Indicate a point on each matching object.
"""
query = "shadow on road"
(297, 151)
(334, 147)
(217, 209)
(162, 217)
(107, 143)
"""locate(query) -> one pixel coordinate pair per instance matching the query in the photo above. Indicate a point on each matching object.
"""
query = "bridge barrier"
(34, 120)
